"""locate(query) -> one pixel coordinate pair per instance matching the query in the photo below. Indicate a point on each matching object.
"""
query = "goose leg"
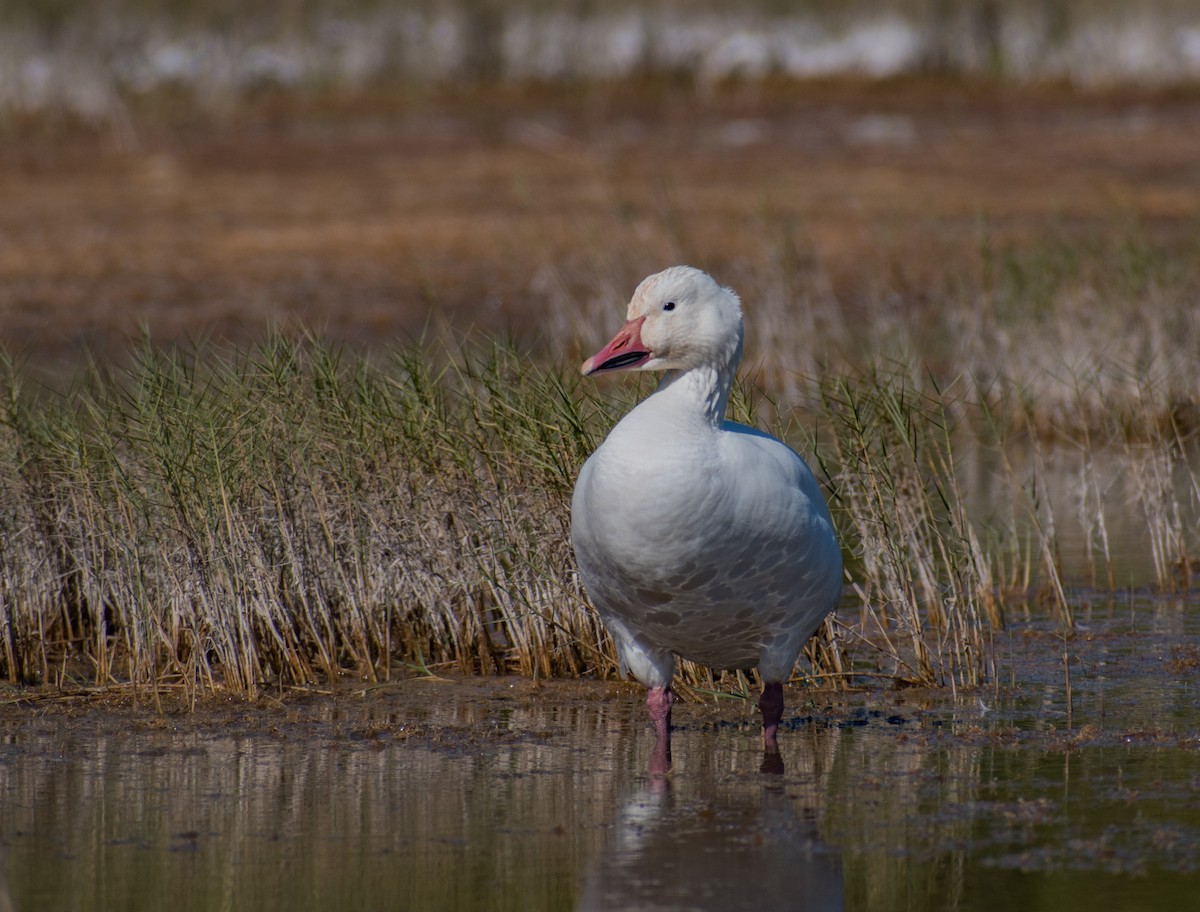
(658, 702)
(771, 704)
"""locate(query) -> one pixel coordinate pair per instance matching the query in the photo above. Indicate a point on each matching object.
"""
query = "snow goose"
(696, 536)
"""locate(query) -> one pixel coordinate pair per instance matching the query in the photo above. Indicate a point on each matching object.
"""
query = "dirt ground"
(1128, 685)
(397, 712)
(378, 218)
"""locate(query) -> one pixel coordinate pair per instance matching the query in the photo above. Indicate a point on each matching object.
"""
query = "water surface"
(465, 794)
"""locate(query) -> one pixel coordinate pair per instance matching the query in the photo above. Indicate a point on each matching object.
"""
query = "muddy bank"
(454, 713)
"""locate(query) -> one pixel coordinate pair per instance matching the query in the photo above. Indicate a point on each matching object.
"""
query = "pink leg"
(658, 702)
(771, 704)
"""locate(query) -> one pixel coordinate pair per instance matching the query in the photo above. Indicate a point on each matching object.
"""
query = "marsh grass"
(292, 513)
(288, 514)
(919, 572)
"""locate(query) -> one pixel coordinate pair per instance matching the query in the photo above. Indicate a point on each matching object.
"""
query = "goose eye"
(670, 305)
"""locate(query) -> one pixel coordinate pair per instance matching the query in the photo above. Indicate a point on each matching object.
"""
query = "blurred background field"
(292, 299)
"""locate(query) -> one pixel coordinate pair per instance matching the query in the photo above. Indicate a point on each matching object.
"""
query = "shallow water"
(479, 794)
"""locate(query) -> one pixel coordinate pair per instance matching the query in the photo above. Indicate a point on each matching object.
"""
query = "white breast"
(712, 543)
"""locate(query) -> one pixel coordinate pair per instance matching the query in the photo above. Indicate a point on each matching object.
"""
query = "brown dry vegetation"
(371, 216)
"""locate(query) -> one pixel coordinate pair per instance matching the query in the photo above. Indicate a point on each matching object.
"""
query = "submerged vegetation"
(294, 512)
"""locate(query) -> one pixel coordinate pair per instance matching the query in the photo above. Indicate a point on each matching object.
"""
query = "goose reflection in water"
(745, 846)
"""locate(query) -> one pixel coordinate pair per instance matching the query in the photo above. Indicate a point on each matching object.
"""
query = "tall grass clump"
(287, 514)
(292, 513)
(926, 589)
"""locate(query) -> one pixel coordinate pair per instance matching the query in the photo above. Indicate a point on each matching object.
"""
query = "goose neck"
(704, 390)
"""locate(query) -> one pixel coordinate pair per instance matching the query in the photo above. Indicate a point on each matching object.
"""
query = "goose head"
(678, 320)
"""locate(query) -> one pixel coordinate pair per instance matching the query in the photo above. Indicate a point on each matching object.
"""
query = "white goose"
(696, 536)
